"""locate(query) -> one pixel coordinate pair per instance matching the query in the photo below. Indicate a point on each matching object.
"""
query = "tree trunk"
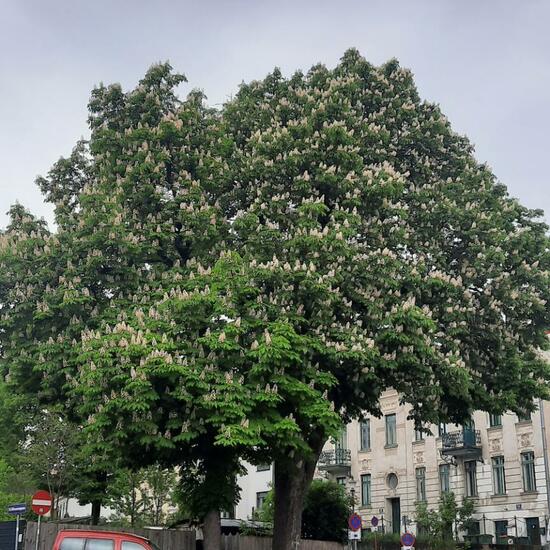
(211, 530)
(291, 482)
(96, 511)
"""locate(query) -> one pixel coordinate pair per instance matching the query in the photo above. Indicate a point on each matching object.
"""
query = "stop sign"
(41, 502)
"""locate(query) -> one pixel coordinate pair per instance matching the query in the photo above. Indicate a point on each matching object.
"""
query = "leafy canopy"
(239, 282)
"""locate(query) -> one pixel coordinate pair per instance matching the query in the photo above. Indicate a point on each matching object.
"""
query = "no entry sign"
(41, 502)
(408, 539)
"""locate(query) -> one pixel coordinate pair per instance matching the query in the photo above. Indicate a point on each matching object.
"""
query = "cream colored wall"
(251, 483)
(509, 440)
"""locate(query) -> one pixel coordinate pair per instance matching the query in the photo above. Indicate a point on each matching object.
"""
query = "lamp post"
(351, 485)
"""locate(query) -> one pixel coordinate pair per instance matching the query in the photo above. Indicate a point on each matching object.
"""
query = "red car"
(100, 540)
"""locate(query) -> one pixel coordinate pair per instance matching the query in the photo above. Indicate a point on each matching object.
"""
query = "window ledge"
(528, 493)
(419, 442)
(500, 495)
(524, 422)
(494, 428)
(394, 446)
(364, 450)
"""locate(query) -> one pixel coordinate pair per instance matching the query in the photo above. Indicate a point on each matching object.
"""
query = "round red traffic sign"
(355, 522)
(41, 502)
(408, 539)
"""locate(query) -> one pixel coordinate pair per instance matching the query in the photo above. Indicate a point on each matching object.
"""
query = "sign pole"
(38, 533)
(16, 531)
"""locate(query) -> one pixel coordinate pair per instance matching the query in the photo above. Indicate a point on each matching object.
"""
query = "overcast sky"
(486, 63)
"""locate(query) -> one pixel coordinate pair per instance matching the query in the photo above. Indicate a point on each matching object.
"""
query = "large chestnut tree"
(238, 283)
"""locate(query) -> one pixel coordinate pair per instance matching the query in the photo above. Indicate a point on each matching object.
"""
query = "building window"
(260, 499)
(391, 430)
(469, 424)
(444, 478)
(524, 417)
(528, 471)
(392, 480)
(421, 484)
(499, 476)
(342, 441)
(495, 420)
(365, 435)
(263, 467)
(365, 490)
(471, 478)
(442, 429)
(418, 433)
(228, 514)
(501, 530)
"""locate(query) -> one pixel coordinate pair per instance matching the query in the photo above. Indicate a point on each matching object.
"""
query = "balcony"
(465, 444)
(336, 462)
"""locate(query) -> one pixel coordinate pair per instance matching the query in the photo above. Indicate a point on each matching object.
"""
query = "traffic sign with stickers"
(41, 502)
(355, 522)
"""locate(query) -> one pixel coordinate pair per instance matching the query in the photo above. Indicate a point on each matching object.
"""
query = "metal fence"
(241, 542)
(7, 534)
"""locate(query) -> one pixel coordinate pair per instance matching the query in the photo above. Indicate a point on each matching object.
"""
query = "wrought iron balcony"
(465, 443)
(337, 461)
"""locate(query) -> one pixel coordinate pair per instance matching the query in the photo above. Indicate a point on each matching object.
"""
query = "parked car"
(100, 540)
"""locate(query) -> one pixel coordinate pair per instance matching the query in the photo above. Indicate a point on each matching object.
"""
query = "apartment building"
(497, 460)
(500, 461)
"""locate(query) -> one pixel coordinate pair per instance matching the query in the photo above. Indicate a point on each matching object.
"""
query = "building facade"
(499, 461)
(254, 485)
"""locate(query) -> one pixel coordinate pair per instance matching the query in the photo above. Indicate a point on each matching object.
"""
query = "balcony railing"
(465, 443)
(335, 460)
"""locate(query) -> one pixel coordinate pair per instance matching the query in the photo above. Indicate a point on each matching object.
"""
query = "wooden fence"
(166, 539)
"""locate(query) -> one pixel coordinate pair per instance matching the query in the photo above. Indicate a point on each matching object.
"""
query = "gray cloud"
(485, 63)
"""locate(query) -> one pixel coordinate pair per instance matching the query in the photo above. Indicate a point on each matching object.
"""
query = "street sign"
(374, 521)
(355, 522)
(41, 502)
(408, 539)
(17, 509)
(354, 535)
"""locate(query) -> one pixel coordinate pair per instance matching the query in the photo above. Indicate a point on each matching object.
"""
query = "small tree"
(159, 485)
(438, 524)
(49, 453)
(128, 500)
(465, 513)
(326, 511)
(427, 520)
(142, 497)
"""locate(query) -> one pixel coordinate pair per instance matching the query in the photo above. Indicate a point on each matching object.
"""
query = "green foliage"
(238, 283)
(326, 511)
(49, 453)
(6, 497)
(438, 524)
(142, 497)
